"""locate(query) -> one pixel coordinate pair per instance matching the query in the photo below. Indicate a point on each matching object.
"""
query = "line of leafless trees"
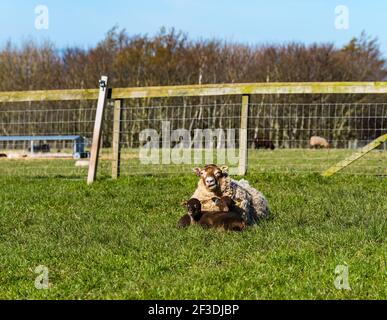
(172, 58)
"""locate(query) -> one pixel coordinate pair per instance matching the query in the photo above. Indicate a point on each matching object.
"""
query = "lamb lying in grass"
(230, 218)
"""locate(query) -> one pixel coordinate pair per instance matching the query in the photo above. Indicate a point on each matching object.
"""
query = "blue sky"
(85, 22)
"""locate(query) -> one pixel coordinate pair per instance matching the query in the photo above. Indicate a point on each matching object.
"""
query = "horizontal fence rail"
(201, 90)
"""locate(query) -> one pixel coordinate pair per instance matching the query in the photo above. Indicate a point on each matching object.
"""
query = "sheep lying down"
(216, 193)
(214, 181)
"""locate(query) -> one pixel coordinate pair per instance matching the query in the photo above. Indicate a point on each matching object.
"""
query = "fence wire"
(278, 135)
(171, 126)
(288, 128)
(45, 139)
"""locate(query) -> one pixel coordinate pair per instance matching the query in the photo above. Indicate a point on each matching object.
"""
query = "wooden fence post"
(102, 97)
(242, 169)
(117, 126)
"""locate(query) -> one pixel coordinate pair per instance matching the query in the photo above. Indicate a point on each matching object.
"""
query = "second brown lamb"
(229, 218)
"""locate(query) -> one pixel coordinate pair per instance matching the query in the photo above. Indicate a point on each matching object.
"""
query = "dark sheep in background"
(45, 148)
(263, 144)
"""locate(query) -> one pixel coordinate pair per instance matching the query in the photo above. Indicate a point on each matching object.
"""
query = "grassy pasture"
(117, 239)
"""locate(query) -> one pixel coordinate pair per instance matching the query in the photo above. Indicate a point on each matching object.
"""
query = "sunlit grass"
(117, 239)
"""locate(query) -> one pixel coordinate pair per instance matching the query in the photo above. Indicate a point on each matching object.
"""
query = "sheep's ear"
(224, 169)
(197, 171)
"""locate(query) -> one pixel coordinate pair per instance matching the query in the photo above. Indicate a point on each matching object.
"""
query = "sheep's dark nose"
(210, 180)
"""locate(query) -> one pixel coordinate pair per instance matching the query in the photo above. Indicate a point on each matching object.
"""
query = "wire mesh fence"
(157, 137)
(173, 135)
(283, 133)
(45, 139)
(279, 135)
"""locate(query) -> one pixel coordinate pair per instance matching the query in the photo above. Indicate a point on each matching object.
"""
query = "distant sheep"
(14, 156)
(318, 142)
(44, 148)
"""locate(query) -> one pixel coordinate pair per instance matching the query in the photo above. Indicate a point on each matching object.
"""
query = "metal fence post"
(102, 97)
(242, 169)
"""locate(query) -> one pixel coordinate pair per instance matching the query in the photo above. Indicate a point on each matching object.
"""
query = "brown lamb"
(230, 219)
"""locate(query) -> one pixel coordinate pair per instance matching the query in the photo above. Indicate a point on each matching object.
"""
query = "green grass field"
(118, 240)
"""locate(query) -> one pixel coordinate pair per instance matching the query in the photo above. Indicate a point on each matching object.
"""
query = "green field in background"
(279, 160)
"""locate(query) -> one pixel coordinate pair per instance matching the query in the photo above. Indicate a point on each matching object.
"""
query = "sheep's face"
(211, 176)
